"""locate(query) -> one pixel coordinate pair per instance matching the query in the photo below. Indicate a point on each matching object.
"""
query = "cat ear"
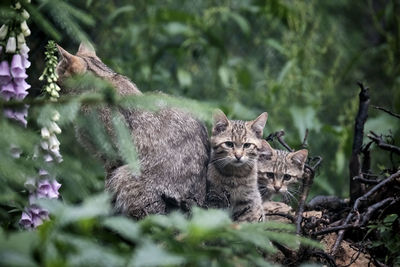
(266, 151)
(64, 54)
(76, 65)
(299, 157)
(221, 122)
(258, 124)
(86, 49)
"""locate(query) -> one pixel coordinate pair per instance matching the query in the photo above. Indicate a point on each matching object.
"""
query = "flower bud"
(25, 14)
(20, 40)
(54, 93)
(11, 45)
(25, 29)
(3, 32)
(54, 128)
(53, 142)
(56, 116)
(45, 133)
(17, 5)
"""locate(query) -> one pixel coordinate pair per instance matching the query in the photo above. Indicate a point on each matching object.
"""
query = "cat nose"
(238, 157)
(277, 188)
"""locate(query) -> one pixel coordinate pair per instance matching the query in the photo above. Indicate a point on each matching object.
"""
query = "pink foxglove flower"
(21, 88)
(33, 216)
(17, 68)
(5, 75)
(47, 189)
(7, 91)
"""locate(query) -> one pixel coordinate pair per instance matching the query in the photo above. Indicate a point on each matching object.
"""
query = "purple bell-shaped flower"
(17, 68)
(7, 91)
(5, 76)
(20, 89)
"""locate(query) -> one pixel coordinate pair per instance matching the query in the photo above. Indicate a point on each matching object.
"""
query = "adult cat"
(172, 147)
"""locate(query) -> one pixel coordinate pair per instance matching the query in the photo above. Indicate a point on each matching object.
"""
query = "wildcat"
(172, 147)
(232, 171)
(278, 169)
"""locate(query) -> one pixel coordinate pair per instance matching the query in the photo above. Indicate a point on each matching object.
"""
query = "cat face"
(277, 169)
(235, 144)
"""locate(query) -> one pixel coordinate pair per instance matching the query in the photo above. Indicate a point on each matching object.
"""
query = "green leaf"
(150, 254)
(184, 77)
(126, 147)
(390, 219)
(127, 228)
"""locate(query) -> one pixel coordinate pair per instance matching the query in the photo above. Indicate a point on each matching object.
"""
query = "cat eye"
(229, 144)
(270, 175)
(287, 177)
(246, 145)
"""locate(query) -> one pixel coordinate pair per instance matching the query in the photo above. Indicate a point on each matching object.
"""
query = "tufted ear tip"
(86, 48)
(300, 157)
(64, 53)
(258, 124)
(220, 121)
(266, 151)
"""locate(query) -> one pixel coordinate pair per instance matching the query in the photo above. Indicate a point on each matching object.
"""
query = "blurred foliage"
(297, 60)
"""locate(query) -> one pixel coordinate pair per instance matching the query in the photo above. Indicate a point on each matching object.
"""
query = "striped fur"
(232, 171)
(278, 169)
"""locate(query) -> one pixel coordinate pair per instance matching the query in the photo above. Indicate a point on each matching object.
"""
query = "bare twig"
(279, 136)
(382, 144)
(307, 181)
(304, 144)
(287, 216)
(371, 210)
(365, 181)
(387, 111)
(355, 165)
(333, 229)
(357, 204)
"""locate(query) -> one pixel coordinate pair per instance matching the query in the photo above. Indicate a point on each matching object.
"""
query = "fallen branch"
(372, 209)
(365, 181)
(356, 206)
(382, 144)
(287, 216)
(387, 111)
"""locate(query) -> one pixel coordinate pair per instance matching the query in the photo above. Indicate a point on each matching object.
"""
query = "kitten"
(277, 169)
(232, 171)
(172, 146)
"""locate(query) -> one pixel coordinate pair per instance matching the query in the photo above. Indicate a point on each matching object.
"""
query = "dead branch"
(327, 202)
(372, 209)
(357, 203)
(333, 229)
(382, 144)
(279, 136)
(387, 111)
(287, 216)
(355, 165)
(304, 143)
(365, 181)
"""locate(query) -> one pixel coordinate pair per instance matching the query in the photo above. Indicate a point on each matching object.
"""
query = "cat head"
(235, 143)
(83, 61)
(277, 169)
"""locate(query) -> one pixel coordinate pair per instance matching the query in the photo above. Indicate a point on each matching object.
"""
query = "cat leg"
(132, 196)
